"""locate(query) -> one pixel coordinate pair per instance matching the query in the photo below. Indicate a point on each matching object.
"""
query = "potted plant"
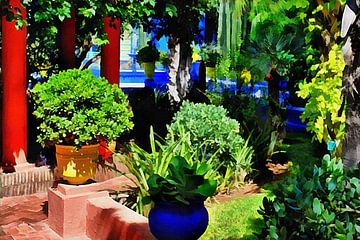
(175, 180)
(147, 56)
(178, 197)
(75, 110)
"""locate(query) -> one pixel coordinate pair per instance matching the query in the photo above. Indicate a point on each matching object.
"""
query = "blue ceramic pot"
(178, 221)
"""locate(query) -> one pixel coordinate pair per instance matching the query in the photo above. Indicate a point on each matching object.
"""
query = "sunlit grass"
(235, 219)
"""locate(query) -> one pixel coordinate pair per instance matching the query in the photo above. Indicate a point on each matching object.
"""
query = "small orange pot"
(77, 166)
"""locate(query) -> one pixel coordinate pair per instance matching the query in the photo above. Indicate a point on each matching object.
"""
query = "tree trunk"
(179, 69)
(351, 85)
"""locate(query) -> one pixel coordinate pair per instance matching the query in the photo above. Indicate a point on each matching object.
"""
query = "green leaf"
(317, 206)
(208, 188)
(329, 218)
(339, 226)
(171, 10)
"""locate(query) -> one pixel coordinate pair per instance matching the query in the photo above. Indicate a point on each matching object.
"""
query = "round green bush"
(208, 123)
(76, 108)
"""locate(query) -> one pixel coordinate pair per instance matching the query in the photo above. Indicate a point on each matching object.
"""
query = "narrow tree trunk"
(179, 69)
(351, 82)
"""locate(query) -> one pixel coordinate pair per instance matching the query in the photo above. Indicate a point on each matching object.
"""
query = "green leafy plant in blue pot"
(179, 196)
(174, 180)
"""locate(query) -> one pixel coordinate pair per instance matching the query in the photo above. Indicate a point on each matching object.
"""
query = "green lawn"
(235, 219)
(238, 218)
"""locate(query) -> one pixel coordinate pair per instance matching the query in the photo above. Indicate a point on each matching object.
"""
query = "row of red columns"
(14, 104)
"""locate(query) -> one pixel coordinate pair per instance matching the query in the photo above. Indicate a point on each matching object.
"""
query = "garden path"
(25, 217)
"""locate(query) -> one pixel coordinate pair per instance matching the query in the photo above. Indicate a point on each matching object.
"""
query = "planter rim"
(81, 147)
(177, 203)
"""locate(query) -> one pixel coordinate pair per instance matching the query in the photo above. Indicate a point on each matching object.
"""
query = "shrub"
(248, 111)
(209, 54)
(324, 99)
(317, 203)
(210, 124)
(76, 108)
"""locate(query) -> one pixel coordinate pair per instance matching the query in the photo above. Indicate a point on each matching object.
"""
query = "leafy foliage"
(210, 124)
(275, 31)
(320, 202)
(207, 123)
(179, 19)
(324, 99)
(249, 112)
(175, 171)
(75, 108)
(209, 54)
(44, 18)
(184, 183)
(147, 54)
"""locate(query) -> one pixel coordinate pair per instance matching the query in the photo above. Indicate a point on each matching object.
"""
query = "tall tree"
(351, 32)
(179, 21)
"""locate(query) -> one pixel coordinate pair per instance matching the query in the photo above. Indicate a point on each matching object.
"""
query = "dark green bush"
(75, 108)
(256, 124)
(316, 203)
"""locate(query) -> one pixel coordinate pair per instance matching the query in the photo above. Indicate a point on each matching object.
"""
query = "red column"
(110, 53)
(67, 42)
(14, 105)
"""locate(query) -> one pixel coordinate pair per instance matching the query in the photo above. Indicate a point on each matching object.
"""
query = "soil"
(248, 189)
(279, 170)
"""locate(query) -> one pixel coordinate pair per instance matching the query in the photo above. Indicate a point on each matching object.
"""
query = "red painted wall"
(14, 109)
(110, 53)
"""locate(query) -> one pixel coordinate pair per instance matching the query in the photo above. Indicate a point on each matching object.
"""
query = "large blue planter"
(294, 123)
(177, 221)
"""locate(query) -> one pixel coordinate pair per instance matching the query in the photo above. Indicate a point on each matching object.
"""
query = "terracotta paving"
(25, 218)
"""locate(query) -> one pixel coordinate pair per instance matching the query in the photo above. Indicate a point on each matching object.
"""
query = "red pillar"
(110, 54)
(67, 42)
(14, 105)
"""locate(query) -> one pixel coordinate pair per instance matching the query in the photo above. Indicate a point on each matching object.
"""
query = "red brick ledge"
(88, 212)
(107, 219)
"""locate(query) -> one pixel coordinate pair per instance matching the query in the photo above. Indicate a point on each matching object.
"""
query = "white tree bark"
(174, 47)
(179, 70)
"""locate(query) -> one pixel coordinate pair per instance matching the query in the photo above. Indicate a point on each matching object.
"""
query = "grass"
(301, 149)
(235, 219)
(238, 218)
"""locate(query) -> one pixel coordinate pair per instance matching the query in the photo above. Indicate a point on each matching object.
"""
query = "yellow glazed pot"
(210, 73)
(77, 166)
(149, 68)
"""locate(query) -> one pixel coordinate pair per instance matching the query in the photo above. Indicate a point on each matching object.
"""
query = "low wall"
(88, 212)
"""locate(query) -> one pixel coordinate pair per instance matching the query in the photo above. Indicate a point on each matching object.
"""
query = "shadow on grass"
(256, 224)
